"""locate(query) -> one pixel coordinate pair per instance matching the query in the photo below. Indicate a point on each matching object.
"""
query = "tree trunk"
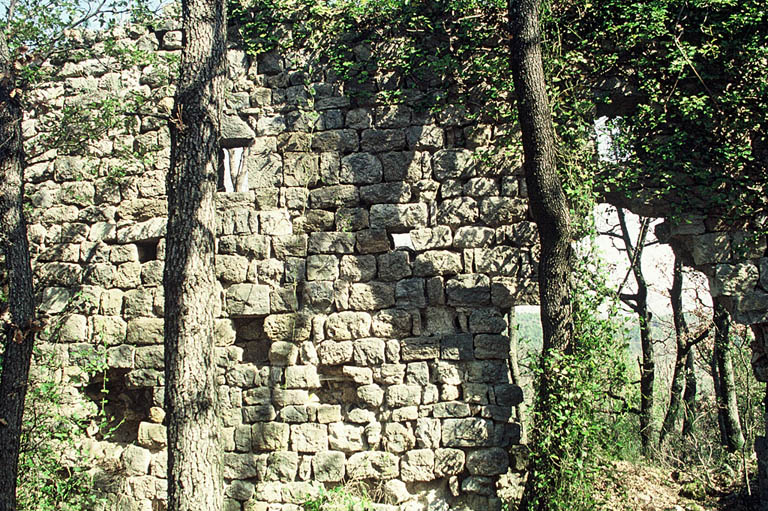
(681, 352)
(18, 337)
(549, 209)
(639, 304)
(725, 390)
(718, 390)
(689, 396)
(194, 450)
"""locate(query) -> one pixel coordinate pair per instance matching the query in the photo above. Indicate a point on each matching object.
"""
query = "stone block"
(247, 300)
(457, 212)
(360, 268)
(370, 395)
(502, 210)
(136, 460)
(301, 377)
(489, 346)
(322, 267)
(453, 164)
(420, 348)
(270, 436)
(467, 432)
(282, 466)
(469, 290)
(152, 436)
(372, 241)
(309, 437)
(373, 465)
(335, 353)
(347, 325)
(449, 462)
(418, 465)
(398, 217)
(328, 467)
(371, 296)
(360, 169)
(403, 395)
(377, 141)
(487, 462)
(394, 266)
(288, 327)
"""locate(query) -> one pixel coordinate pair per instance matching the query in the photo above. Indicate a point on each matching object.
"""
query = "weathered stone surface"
(394, 266)
(710, 248)
(322, 267)
(469, 432)
(403, 395)
(360, 268)
(453, 164)
(247, 300)
(335, 353)
(152, 436)
(287, 327)
(733, 279)
(398, 216)
(491, 346)
(328, 466)
(301, 377)
(348, 325)
(469, 289)
(487, 462)
(502, 210)
(136, 460)
(449, 462)
(370, 395)
(373, 296)
(309, 437)
(373, 465)
(418, 465)
(420, 348)
(331, 243)
(345, 437)
(460, 211)
(437, 262)
(360, 168)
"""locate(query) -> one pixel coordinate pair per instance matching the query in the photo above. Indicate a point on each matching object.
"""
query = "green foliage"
(698, 74)
(348, 497)
(54, 464)
(577, 419)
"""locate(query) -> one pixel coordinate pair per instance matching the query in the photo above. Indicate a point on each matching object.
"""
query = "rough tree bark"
(689, 395)
(725, 390)
(638, 302)
(681, 352)
(546, 198)
(194, 450)
(18, 333)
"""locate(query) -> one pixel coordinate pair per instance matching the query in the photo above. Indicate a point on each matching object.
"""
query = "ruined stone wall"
(367, 276)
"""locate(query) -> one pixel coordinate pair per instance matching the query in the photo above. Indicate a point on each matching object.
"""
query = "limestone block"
(417, 373)
(153, 229)
(309, 437)
(746, 245)
(467, 432)
(473, 237)
(286, 397)
(377, 141)
(334, 196)
(345, 437)
(301, 377)
(55, 299)
(292, 327)
(476, 393)
(243, 466)
(420, 348)
(360, 169)
(360, 268)
(437, 262)
(391, 323)
(283, 353)
(486, 371)
(258, 413)
(322, 267)
(424, 137)
(733, 279)
(247, 300)
(341, 140)
(394, 266)
(335, 353)
(331, 243)
(427, 433)
(270, 436)
(369, 352)
(136, 460)
(491, 346)
(398, 216)
(451, 409)
(502, 210)
(240, 490)
(453, 164)
(398, 438)
(348, 325)
(372, 241)
(403, 395)
(275, 223)
(235, 131)
(258, 395)
(712, 247)
(121, 357)
(404, 166)
(152, 436)
(138, 302)
(231, 268)
(370, 395)
(59, 274)
(382, 193)
(328, 467)
(459, 211)
(478, 485)
(373, 465)
(507, 394)
(143, 331)
(469, 290)
(418, 465)
(149, 357)
(359, 375)
(371, 296)
(487, 462)
(327, 414)
(128, 275)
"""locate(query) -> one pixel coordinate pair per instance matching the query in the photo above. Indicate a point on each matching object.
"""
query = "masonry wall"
(367, 276)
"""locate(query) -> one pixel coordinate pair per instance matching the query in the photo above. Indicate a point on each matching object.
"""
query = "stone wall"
(367, 279)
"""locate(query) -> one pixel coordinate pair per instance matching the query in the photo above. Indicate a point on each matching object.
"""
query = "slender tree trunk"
(681, 352)
(194, 450)
(639, 304)
(718, 390)
(725, 390)
(18, 337)
(689, 396)
(548, 207)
